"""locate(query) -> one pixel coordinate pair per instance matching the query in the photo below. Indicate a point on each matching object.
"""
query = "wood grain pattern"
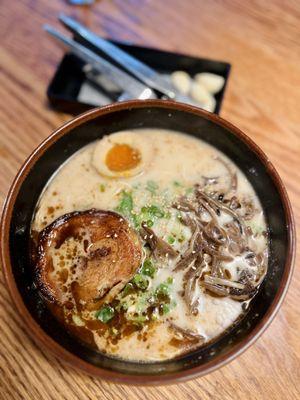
(262, 41)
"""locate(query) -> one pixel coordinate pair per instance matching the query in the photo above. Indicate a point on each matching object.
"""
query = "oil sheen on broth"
(172, 266)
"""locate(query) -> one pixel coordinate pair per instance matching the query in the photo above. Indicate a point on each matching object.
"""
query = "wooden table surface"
(262, 42)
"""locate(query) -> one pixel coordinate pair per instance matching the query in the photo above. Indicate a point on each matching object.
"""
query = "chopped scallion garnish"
(105, 314)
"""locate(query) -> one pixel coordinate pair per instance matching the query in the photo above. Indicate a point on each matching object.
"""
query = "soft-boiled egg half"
(122, 155)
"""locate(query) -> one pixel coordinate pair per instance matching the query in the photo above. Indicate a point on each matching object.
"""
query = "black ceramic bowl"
(45, 160)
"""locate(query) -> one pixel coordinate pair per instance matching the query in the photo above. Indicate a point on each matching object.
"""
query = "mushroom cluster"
(214, 244)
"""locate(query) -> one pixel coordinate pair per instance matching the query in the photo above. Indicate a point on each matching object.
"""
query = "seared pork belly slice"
(83, 256)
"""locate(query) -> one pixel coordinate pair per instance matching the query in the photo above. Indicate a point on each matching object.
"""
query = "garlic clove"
(200, 94)
(210, 105)
(212, 82)
(182, 81)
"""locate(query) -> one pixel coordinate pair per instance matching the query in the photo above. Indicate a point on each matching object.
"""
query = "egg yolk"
(122, 157)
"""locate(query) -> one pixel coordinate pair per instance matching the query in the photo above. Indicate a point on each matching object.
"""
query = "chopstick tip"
(62, 16)
(47, 28)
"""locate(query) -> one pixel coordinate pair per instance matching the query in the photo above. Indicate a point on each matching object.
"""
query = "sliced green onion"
(152, 186)
(125, 206)
(168, 215)
(140, 281)
(171, 239)
(163, 290)
(148, 269)
(129, 288)
(166, 308)
(170, 280)
(105, 314)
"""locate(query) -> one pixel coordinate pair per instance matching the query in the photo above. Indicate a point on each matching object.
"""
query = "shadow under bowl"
(57, 148)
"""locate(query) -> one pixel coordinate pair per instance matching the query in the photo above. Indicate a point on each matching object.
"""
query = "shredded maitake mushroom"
(211, 245)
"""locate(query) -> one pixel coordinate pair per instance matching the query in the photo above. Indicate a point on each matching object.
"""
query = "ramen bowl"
(64, 142)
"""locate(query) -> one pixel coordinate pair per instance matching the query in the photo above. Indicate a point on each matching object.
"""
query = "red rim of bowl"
(40, 336)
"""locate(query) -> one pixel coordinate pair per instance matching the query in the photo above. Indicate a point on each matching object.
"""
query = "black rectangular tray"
(69, 77)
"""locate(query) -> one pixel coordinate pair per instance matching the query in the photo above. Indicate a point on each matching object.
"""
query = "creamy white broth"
(175, 162)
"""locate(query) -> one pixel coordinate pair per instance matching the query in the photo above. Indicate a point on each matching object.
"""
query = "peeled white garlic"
(210, 105)
(182, 81)
(200, 94)
(212, 82)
